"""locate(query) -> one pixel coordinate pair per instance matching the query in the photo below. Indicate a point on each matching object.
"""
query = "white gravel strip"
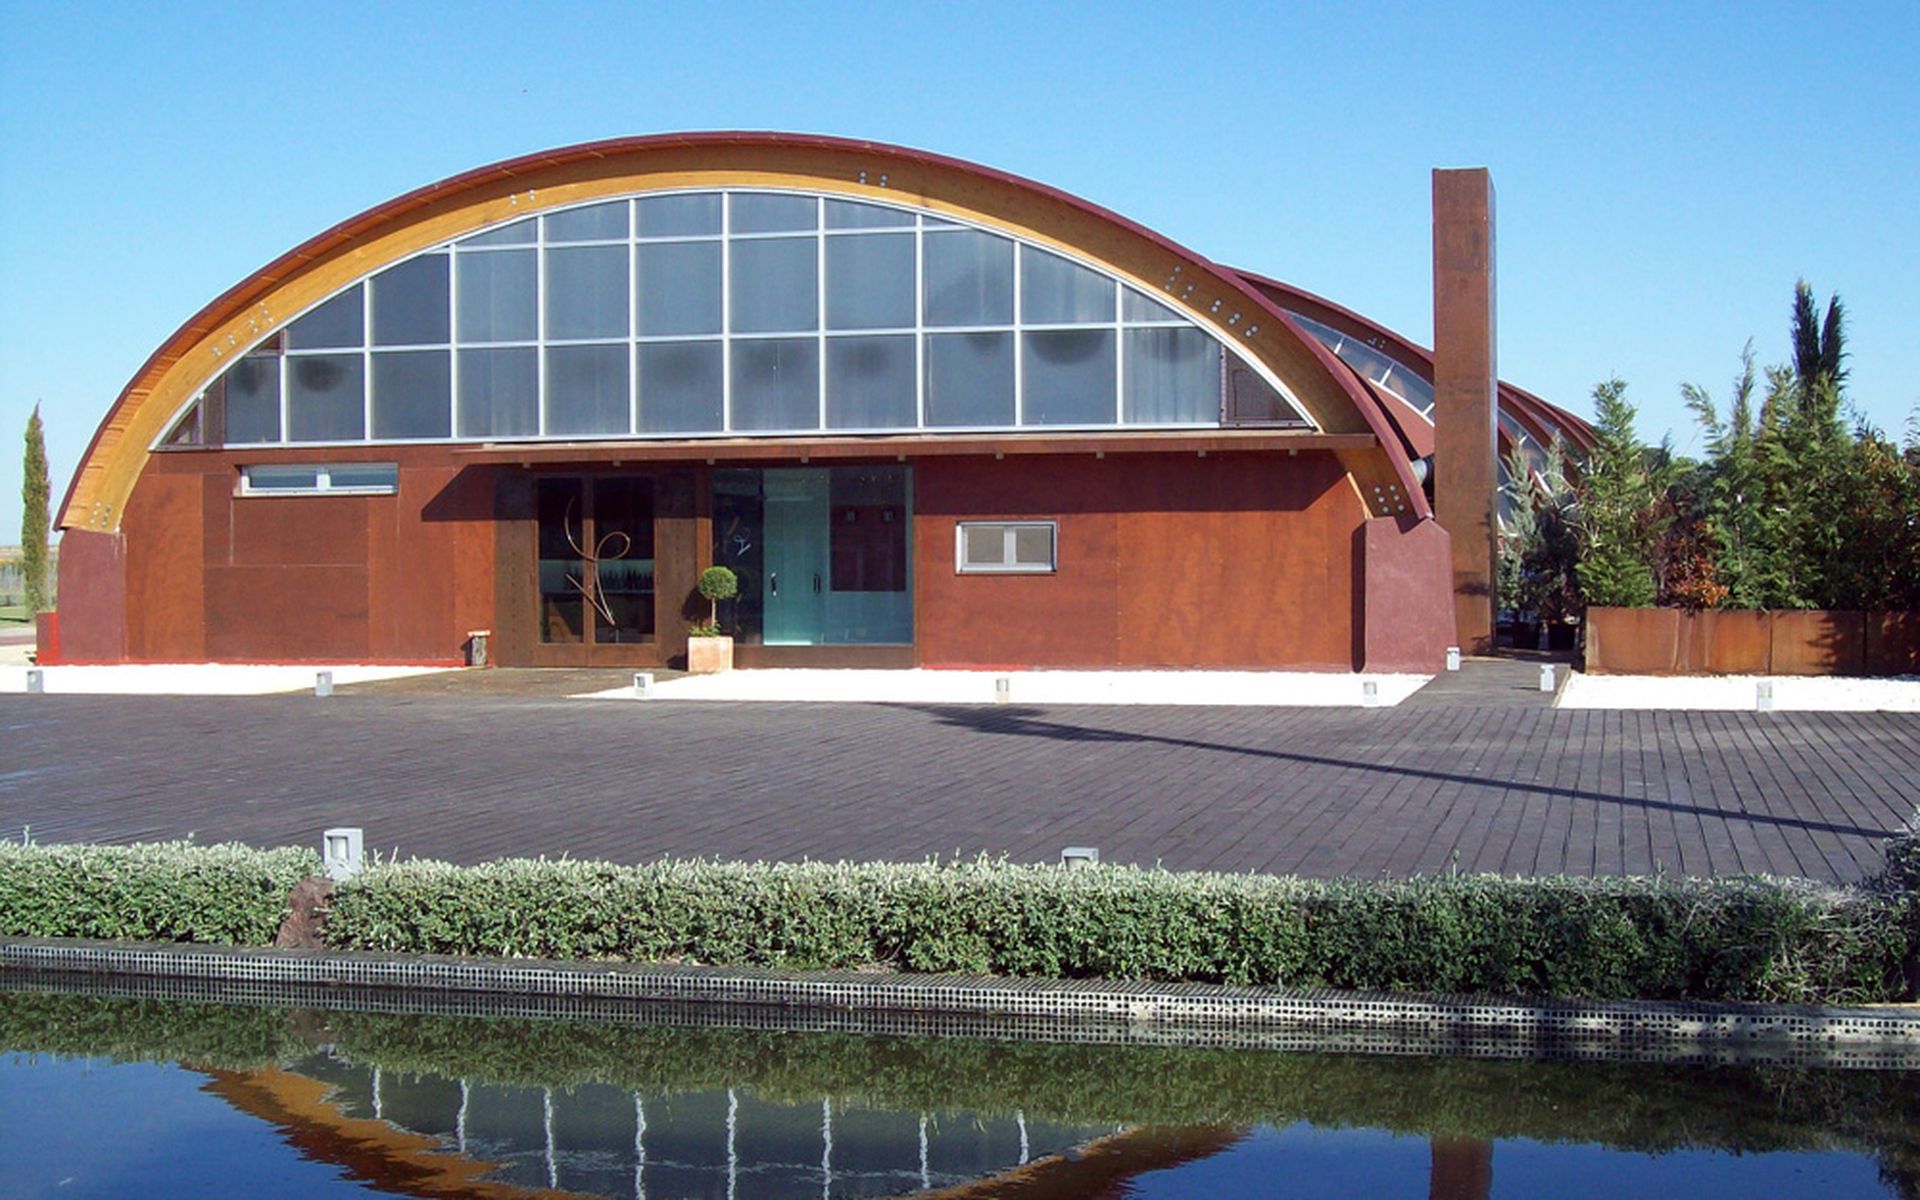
(1270, 688)
(196, 679)
(1791, 693)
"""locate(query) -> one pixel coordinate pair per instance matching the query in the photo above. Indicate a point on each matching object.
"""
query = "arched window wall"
(727, 312)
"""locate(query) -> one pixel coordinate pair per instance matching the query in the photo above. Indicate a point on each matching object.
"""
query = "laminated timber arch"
(1223, 302)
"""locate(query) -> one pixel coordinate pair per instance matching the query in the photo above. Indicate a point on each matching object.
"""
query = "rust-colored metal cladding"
(1164, 560)
(1207, 538)
(1464, 383)
(1217, 299)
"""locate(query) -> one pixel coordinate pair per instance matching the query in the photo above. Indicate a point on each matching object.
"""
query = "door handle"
(816, 583)
(773, 583)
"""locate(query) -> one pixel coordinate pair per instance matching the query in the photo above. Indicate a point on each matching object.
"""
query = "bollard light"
(323, 683)
(1763, 696)
(1002, 690)
(1369, 693)
(643, 685)
(1079, 858)
(36, 680)
(1453, 658)
(1546, 677)
(343, 851)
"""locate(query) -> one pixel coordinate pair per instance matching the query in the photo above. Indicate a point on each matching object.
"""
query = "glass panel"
(1069, 377)
(776, 384)
(412, 394)
(623, 560)
(326, 398)
(970, 379)
(774, 286)
(385, 476)
(870, 383)
(851, 214)
(410, 303)
(755, 212)
(594, 223)
(1054, 291)
(334, 324)
(969, 279)
(870, 282)
(497, 297)
(680, 387)
(1254, 401)
(283, 479)
(870, 556)
(691, 215)
(562, 528)
(1135, 306)
(986, 545)
(586, 389)
(520, 233)
(739, 543)
(500, 393)
(679, 288)
(253, 399)
(586, 294)
(1173, 375)
(187, 430)
(1033, 545)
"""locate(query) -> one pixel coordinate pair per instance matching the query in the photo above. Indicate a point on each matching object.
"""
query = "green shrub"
(170, 892)
(1740, 939)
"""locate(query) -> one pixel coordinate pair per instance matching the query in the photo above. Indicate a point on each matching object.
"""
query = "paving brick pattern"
(1490, 787)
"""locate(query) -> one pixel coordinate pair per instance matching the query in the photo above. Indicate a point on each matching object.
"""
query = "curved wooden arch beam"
(1217, 299)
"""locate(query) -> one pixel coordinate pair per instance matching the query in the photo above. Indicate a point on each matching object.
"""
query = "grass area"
(14, 614)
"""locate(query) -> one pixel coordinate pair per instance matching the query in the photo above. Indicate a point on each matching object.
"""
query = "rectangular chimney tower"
(1465, 376)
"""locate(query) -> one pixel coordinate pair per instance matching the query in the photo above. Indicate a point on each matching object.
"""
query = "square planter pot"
(709, 655)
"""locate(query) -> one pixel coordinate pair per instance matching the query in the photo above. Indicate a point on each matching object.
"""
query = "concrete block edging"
(1187, 1014)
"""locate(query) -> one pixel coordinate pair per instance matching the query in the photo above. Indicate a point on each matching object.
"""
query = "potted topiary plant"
(708, 650)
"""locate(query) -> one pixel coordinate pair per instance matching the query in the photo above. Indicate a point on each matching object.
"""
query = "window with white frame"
(310, 479)
(716, 313)
(1006, 547)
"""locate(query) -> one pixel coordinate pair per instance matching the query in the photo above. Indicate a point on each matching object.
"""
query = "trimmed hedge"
(165, 892)
(1731, 939)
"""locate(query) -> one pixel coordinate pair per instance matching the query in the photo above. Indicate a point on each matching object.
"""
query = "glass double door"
(595, 587)
(823, 554)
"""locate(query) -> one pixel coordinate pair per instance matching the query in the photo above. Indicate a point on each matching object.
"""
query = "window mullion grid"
(726, 312)
(633, 321)
(366, 361)
(1019, 342)
(285, 372)
(453, 340)
(919, 324)
(540, 324)
(820, 309)
(1119, 357)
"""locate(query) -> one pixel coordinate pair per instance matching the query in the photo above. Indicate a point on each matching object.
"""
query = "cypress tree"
(1616, 567)
(34, 519)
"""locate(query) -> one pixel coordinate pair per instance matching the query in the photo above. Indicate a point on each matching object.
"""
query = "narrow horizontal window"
(338, 479)
(1006, 547)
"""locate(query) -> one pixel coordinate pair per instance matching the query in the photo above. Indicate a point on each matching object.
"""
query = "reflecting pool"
(131, 1096)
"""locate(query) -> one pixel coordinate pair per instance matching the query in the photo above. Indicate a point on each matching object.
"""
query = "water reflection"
(444, 1106)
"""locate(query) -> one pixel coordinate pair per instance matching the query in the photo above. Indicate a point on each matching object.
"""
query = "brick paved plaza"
(1492, 785)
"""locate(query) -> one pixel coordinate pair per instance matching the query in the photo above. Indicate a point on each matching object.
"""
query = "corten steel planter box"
(709, 655)
(1667, 641)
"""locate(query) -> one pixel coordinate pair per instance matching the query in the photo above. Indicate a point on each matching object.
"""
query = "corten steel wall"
(1407, 606)
(1464, 385)
(1165, 560)
(1668, 641)
(213, 576)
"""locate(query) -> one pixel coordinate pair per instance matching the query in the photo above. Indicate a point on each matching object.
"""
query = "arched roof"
(1225, 302)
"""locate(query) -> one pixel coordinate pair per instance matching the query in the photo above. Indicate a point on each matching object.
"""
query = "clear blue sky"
(1664, 172)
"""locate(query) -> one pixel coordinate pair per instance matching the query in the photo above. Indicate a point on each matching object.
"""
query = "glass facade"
(719, 312)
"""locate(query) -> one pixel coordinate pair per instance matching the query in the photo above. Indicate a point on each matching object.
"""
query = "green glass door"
(794, 587)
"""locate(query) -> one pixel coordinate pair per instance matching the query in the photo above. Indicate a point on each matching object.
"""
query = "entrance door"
(595, 581)
(796, 557)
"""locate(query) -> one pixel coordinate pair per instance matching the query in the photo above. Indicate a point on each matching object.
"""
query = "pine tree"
(34, 520)
(1615, 568)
